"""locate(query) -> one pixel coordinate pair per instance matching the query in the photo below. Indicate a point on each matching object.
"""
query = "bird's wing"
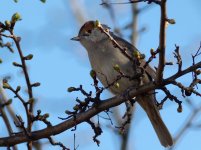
(149, 70)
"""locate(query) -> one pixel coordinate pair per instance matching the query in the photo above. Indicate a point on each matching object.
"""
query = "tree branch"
(81, 117)
(162, 42)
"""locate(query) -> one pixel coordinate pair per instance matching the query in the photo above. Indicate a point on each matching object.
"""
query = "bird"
(104, 55)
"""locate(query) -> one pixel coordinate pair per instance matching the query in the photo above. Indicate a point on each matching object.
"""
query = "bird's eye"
(89, 31)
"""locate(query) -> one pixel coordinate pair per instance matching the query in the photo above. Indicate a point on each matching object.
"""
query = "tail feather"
(148, 104)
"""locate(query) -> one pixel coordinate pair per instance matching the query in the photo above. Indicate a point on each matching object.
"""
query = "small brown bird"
(103, 56)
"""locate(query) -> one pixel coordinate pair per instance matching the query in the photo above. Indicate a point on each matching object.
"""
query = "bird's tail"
(147, 102)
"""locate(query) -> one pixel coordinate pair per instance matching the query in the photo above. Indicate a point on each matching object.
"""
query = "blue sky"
(59, 63)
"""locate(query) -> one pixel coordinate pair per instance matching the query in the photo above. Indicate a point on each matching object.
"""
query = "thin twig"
(57, 144)
(162, 42)
(29, 85)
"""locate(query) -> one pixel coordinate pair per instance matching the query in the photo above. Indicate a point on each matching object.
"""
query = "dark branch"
(81, 117)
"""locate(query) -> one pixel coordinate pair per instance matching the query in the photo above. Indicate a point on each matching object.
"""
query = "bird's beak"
(77, 38)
